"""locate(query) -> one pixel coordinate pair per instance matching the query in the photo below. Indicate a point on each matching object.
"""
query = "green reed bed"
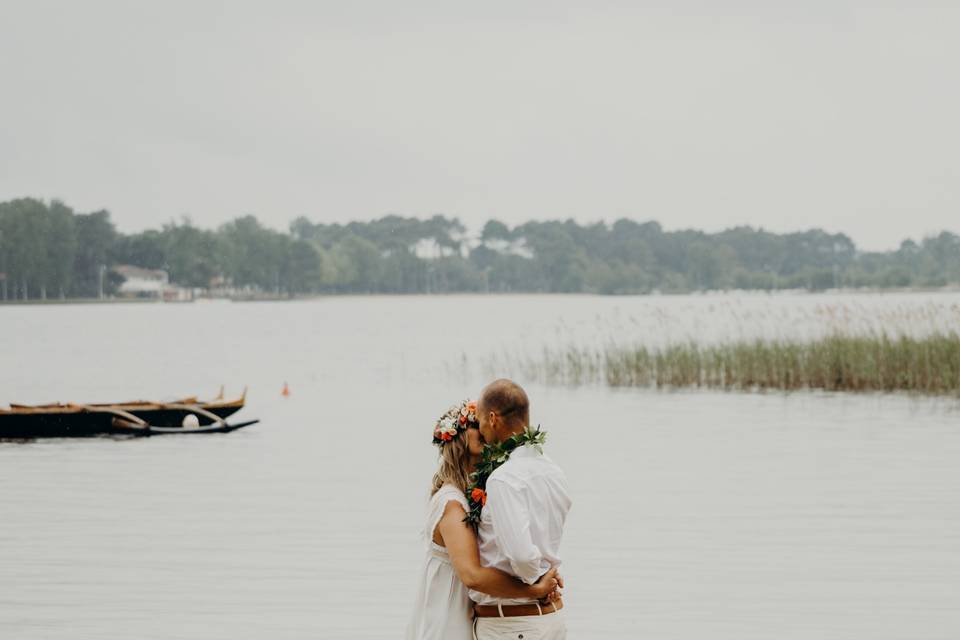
(835, 363)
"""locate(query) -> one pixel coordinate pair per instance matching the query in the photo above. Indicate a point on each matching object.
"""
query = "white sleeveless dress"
(442, 609)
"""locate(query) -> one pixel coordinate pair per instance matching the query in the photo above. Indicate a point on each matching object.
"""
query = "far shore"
(316, 296)
(59, 301)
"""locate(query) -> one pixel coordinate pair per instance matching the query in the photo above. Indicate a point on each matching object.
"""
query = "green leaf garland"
(492, 457)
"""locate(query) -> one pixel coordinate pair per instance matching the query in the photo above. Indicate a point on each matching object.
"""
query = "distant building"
(148, 283)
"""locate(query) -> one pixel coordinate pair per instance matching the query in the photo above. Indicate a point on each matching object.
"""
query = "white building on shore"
(148, 283)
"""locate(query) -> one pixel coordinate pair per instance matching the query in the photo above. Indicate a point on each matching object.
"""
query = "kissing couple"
(494, 526)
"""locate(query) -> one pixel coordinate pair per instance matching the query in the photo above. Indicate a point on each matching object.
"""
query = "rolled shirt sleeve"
(510, 517)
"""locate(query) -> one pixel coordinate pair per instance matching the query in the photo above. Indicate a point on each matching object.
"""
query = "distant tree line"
(49, 250)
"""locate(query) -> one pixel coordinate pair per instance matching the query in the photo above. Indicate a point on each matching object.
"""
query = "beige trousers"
(548, 627)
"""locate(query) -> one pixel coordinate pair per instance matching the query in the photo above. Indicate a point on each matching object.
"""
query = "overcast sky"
(835, 114)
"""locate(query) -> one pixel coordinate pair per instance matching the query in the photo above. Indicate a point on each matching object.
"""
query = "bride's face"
(474, 441)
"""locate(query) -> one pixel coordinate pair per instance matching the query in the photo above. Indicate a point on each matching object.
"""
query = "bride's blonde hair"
(454, 460)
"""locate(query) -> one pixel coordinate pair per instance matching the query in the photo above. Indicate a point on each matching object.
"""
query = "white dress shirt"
(521, 525)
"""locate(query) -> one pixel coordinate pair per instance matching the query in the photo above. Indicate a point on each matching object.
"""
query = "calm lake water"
(696, 514)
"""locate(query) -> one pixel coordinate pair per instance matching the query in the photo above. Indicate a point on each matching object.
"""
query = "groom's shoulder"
(523, 469)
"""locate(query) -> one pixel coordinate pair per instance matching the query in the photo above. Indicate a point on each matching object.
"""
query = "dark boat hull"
(64, 422)
(52, 425)
(102, 425)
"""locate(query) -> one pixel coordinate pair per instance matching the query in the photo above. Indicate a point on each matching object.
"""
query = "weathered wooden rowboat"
(138, 418)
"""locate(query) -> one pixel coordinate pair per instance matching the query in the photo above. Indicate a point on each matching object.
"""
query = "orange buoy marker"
(286, 391)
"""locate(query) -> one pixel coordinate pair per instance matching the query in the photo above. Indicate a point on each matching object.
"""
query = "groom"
(522, 522)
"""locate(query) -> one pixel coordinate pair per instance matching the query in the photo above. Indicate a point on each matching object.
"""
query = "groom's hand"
(553, 596)
(549, 585)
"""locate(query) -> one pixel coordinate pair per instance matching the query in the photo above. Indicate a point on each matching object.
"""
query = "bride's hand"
(546, 588)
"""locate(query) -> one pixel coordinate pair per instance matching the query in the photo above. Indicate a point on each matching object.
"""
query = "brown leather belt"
(515, 610)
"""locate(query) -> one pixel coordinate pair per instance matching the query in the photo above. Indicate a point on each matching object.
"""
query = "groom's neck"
(512, 432)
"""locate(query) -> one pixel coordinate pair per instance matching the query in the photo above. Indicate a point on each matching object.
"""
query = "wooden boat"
(137, 418)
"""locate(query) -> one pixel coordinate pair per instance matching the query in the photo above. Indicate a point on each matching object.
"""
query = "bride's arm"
(461, 543)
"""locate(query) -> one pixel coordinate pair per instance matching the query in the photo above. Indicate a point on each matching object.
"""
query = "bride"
(452, 565)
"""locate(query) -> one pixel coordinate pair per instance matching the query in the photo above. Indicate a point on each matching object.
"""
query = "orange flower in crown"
(455, 421)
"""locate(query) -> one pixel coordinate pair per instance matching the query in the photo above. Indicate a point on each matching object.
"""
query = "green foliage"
(492, 457)
(96, 239)
(47, 249)
(38, 244)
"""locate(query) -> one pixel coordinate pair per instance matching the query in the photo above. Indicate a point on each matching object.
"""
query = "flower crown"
(455, 421)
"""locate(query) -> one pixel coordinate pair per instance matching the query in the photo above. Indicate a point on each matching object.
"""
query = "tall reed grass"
(878, 362)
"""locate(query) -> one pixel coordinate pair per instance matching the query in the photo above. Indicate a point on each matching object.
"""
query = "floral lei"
(493, 456)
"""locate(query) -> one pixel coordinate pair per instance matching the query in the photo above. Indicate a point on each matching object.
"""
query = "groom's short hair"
(508, 400)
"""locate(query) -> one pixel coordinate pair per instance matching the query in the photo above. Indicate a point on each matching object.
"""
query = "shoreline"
(69, 301)
(653, 294)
